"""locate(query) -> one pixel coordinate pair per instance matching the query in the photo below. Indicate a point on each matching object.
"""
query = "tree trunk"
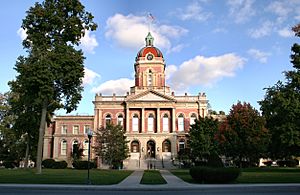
(27, 152)
(41, 138)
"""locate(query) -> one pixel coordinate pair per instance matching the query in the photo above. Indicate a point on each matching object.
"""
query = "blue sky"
(229, 49)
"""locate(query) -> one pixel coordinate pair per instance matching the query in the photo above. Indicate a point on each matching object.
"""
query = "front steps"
(149, 163)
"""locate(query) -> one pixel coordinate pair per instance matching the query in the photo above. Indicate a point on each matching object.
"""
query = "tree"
(51, 75)
(202, 138)
(111, 145)
(243, 135)
(281, 108)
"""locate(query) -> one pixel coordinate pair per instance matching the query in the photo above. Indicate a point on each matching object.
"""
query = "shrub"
(291, 163)
(9, 164)
(281, 163)
(268, 163)
(214, 175)
(83, 164)
(60, 165)
(48, 163)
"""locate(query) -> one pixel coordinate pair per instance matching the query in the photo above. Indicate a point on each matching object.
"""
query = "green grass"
(62, 176)
(255, 175)
(152, 177)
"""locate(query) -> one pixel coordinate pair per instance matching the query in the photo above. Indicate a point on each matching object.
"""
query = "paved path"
(132, 180)
(172, 180)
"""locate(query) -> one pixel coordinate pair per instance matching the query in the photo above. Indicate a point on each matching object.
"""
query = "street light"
(89, 134)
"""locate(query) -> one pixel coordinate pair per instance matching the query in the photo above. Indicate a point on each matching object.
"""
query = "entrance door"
(151, 149)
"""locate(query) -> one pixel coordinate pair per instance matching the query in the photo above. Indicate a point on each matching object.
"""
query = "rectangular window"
(75, 129)
(135, 124)
(181, 124)
(86, 129)
(120, 121)
(165, 124)
(192, 120)
(63, 148)
(64, 129)
(150, 124)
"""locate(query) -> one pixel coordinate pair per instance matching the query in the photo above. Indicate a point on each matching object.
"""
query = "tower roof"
(149, 48)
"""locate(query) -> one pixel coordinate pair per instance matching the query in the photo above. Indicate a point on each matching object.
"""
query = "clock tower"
(150, 69)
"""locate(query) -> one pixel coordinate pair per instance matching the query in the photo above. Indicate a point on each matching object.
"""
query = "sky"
(229, 49)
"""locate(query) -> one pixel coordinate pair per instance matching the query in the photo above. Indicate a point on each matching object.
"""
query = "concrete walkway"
(132, 180)
(172, 180)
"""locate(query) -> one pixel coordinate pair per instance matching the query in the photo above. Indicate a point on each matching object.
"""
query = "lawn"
(152, 177)
(62, 176)
(255, 175)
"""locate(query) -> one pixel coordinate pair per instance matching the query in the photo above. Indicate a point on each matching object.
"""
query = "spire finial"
(149, 40)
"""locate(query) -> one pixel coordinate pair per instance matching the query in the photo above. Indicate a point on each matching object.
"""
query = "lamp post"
(89, 134)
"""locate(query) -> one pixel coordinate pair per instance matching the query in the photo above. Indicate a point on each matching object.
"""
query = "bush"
(83, 164)
(60, 165)
(48, 163)
(291, 163)
(9, 164)
(268, 163)
(214, 175)
(214, 161)
(281, 163)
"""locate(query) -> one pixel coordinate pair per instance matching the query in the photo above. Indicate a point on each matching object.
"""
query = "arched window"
(135, 146)
(165, 123)
(75, 145)
(150, 79)
(135, 123)
(151, 123)
(120, 119)
(85, 147)
(166, 146)
(108, 119)
(63, 147)
(181, 123)
(193, 118)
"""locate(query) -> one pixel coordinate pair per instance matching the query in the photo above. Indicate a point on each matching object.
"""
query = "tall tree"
(243, 135)
(51, 75)
(202, 137)
(111, 144)
(281, 108)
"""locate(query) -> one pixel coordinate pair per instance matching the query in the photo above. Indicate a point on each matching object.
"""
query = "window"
(120, 120)
(165, 123)
(108, 119)
(166, 146)
(75, 129)
(64, 129)
(85, 147)
(193, 118)
(135, 146)
(63, 147)
(181, 122)
(86, 129)
(75, 145)
(150, 83)
(181, 145)
(150, 123)
(135, 123)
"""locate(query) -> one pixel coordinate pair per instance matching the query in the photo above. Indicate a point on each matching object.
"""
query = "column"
(143, 120)
(96, 112)
(158, 120)
(127, 116)
(99, 118)
(173, 120)
(46, 149)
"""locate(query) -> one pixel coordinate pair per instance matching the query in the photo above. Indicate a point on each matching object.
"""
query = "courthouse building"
(156, 120)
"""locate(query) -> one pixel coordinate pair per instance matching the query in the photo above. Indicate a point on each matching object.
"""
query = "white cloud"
(286, 32)
(119, 87)
(193, 11)
(170, 70)
(204, 70)
(22, 33)
(241, 10)
(220, 30)
(130, 31)
(89, 76)
(264, 30)
(281, 9)
(88, 42)
(176, 48)
(259, 55)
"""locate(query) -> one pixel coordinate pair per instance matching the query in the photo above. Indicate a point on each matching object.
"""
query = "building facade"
(156, 120)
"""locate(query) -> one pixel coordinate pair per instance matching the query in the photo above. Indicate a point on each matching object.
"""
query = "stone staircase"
(148, 163)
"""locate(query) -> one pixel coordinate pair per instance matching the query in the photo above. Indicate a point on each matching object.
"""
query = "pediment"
(151, 96)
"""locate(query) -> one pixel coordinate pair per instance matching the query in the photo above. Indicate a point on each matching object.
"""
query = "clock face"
(149, 57)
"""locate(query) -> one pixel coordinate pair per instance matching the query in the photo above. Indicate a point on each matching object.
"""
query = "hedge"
(48, 163)
(83, 164)
(52, 164)
(214, 175)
